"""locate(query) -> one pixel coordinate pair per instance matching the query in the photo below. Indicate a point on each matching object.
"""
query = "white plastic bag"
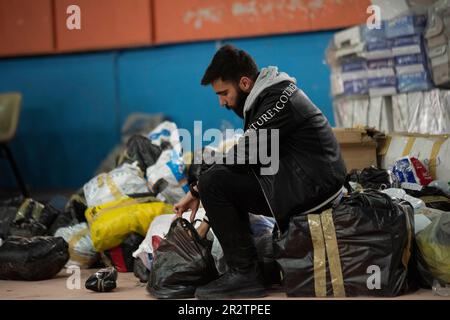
(106, 187)
(81, 249)
(159, 228)
(401, 194)
(171, 168)
(166, 132)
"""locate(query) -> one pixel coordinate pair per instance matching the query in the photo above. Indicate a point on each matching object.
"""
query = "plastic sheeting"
(415, 112)
(422, 112)
(360, 112)
(362, 247)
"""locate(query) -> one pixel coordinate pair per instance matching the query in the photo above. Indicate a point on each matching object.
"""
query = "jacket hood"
(267, 77)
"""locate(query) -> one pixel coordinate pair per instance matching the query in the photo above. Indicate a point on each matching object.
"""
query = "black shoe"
(232, 285)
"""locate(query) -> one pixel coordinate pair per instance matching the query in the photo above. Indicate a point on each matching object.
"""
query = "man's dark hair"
(230, 64)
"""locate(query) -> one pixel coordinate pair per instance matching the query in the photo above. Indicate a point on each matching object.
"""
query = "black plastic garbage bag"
(142, 150)
(361, 247)
(140, 271)
(122, 256)
(266, 259)
(181, 263)
(26, 217)
(374, 178)
(433, 197)
(73, 212)
(104, 280)
(32, 259)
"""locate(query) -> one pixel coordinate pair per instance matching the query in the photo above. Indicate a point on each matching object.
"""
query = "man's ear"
(246, 84)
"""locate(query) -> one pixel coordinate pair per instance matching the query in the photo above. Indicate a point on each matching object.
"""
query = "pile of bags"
(430, 201)
(28, 251)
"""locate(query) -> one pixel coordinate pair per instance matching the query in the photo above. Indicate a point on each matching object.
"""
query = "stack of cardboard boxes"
(437, 36)
(391, 77)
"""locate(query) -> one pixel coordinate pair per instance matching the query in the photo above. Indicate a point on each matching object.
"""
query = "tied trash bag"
(32, 259)
(25, 217)
(361, 247)
(121, 256)
(104, 280)
(374, 178)
(156, 232)
(181, 263)
(81, 250)
(112, 222)
(141, 150)
(126, 179)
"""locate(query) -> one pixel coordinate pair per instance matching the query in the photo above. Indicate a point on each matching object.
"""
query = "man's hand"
(188, 202)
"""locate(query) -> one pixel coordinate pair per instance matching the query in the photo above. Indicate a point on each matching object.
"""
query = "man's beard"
(240, 103)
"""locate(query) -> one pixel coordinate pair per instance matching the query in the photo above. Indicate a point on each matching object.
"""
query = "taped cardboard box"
(359, 150)
(432, 150)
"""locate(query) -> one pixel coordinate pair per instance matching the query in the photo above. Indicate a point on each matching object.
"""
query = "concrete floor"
(128, 288)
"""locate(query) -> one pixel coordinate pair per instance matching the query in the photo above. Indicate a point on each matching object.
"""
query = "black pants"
(228, 197)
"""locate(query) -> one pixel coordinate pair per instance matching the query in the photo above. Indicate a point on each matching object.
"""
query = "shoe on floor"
(232, 285)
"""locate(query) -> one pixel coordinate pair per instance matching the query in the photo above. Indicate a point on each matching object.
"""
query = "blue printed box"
(419, 81)
(405, 26)
(355, 87)
(408, 45)
(374, 35)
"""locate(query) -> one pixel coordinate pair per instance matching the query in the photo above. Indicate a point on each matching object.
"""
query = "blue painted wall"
(74, 105)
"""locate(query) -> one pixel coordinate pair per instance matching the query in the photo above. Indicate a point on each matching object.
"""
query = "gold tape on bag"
(73, 242)
(22, 211)
(334, 260)
(113, 188)
(315, 227)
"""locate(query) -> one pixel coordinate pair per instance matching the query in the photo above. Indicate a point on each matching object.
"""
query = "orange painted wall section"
(104, 24)
(25, 27)
(337, 13)
(39, 26)
(181, 20)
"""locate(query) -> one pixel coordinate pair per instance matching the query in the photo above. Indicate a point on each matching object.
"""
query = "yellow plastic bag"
(434, 245)
(110, 223)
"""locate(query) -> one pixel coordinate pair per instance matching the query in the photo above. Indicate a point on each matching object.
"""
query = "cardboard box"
(432, 150)
(358, 149)
(407, 45)
(405, 26)
(440, 64)
(348, 37)
(382, 82)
